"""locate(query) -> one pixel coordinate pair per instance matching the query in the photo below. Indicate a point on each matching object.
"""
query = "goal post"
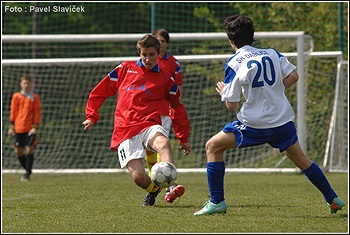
(50, 38)
(64, 85)
(298, 36)
(337, 141)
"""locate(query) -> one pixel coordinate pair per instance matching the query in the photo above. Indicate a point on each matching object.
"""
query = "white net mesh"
(64, 90)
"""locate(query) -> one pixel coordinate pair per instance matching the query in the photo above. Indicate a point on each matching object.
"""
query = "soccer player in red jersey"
(170, 63)
(141, 87)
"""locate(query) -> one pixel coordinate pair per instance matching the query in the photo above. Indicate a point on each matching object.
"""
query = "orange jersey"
(25, 111)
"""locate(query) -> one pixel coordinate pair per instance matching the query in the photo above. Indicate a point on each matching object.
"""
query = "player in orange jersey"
(25, 115)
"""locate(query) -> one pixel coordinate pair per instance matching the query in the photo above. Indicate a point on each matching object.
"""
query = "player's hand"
(220, 87)
(87, 124)
(33, 131)
(186, 148)
(11, 130)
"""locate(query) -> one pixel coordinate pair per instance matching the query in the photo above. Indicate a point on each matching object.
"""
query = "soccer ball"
(163, 174)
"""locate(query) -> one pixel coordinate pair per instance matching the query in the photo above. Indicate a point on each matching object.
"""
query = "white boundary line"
(188, 170)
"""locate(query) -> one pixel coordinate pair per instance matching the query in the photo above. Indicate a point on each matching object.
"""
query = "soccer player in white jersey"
(265, 116)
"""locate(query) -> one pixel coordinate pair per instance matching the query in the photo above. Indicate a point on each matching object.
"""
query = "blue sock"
(215, 177)
(317, 178)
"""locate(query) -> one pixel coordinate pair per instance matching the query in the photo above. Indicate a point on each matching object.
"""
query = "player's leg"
(154, 157)
(30, 143)
(19, 143)
(162, 145)
(286, 140)
(151, 159)
(30, 161)
(314, 173)
(138, 174)
(159, 141)
(21, 156)
(177, 190)
(214, 148)
(131, 155)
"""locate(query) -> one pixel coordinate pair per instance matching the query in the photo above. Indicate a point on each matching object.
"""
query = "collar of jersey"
(30, 95)
(243, 48)
(165, 56)
(155, 68)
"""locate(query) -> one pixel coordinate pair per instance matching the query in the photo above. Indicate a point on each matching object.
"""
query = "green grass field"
(112, 203)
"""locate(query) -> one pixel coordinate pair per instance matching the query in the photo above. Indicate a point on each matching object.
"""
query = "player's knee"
(30, 149)
(19, 151)
(141, 179)
(210, 146)
(162, 141)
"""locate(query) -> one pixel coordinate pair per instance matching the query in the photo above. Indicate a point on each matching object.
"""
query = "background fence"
(65, 88)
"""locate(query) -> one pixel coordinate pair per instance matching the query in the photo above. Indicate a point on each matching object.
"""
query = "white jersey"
(258, 74)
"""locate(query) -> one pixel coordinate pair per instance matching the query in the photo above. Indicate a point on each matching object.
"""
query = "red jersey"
(170, 63)
(140, 94)
(25, 111)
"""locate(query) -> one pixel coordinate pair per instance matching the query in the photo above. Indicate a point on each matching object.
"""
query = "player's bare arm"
(232, 106)
(292, 78)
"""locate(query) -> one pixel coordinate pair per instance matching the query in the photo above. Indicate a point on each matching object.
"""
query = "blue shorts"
(281, 137)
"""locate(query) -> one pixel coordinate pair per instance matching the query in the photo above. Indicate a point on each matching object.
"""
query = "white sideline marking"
(192, 170)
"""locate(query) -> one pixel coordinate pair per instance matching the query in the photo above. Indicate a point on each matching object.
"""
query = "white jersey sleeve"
(258, 74)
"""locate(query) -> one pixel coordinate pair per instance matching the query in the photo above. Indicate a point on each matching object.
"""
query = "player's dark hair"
(240, 30)
(162, 32)
(148, 41)
(26, 77)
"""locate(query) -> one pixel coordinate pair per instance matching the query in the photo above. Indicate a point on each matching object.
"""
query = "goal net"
(64, 85)
(336, 158)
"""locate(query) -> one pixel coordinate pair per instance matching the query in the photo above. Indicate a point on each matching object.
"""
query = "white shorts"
(133, 148)
(166, 123)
